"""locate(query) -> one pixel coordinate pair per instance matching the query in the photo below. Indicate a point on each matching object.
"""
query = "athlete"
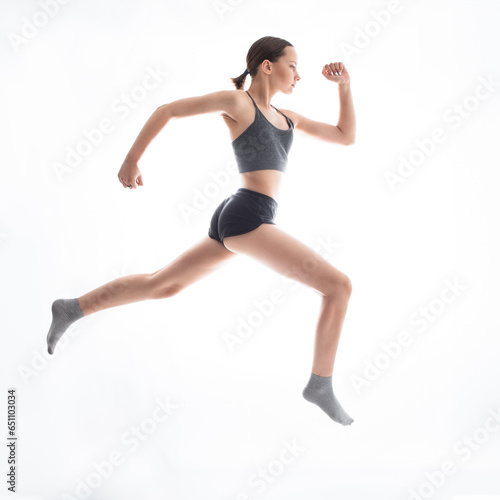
(243, 223)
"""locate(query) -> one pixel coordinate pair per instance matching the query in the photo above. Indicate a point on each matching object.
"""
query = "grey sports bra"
(262, 145)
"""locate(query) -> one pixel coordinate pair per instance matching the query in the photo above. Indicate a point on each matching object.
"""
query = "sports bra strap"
(252, 99)
(287, 119)
(290, 123)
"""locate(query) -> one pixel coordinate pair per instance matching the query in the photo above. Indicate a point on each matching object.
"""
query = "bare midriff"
(263, 181)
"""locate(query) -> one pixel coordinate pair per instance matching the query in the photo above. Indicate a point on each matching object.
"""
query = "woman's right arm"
(223, 101)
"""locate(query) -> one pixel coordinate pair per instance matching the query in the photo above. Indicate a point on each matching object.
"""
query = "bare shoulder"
(295, 117)
(238, 102)
(225, 102)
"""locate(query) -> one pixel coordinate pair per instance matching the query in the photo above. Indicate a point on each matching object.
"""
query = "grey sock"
(320, 392)
(64, 313)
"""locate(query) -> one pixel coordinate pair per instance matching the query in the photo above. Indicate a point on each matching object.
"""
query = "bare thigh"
(290, 257)
(190, 266)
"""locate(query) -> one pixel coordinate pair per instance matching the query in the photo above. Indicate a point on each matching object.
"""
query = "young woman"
(243, 223)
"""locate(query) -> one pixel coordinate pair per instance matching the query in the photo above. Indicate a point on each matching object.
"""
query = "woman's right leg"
(190, 266)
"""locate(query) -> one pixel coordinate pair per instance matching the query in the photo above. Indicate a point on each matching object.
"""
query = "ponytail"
(239, 81)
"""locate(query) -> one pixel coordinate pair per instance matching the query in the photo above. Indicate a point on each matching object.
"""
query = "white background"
(419, 69)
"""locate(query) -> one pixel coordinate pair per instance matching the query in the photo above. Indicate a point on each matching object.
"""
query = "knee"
(168, 291)
(347, 285)
(341, 286)
(164, 291)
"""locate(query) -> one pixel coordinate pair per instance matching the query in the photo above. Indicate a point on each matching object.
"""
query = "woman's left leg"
(292, 258)
(328, 329)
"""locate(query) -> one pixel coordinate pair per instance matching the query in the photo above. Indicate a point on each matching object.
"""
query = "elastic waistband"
(257, 193)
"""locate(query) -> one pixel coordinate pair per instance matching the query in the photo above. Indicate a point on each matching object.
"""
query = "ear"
(266, 66)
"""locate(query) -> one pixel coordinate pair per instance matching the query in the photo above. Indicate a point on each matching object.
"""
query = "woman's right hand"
(129, 174)
(336, 72)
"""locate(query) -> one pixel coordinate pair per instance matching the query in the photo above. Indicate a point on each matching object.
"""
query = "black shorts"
(241, 213)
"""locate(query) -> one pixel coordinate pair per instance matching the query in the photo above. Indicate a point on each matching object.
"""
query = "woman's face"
(285, 70)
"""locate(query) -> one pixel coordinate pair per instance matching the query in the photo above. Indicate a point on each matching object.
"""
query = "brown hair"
(267, 47)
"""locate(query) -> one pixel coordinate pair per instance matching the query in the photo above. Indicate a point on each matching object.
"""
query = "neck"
(262, 95)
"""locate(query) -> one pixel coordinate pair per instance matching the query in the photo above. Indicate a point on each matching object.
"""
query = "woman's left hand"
(336, 72)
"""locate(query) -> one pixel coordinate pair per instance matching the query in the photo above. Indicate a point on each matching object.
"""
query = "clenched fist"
(130, 175)
(336, 72)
